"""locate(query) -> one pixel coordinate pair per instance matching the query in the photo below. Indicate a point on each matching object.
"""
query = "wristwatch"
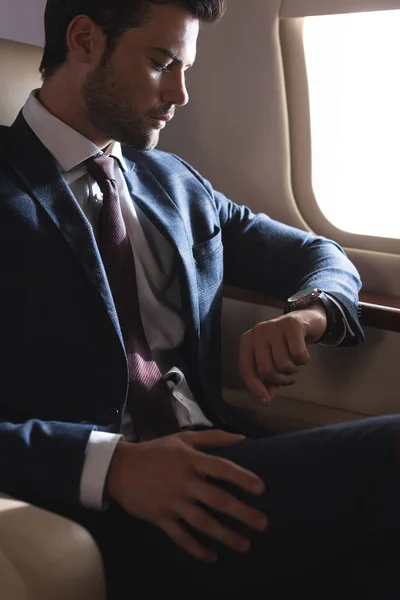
(305, 298)
(308, 297)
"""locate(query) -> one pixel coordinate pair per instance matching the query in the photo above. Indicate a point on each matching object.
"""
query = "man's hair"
(113, 16)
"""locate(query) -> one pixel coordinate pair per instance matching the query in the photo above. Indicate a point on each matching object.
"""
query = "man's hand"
(162, 481)
(271, 354)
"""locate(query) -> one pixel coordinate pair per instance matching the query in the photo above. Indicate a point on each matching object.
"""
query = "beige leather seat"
(42, 555)
(46, 557)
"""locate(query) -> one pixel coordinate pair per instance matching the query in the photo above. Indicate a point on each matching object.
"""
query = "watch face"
(307, 295)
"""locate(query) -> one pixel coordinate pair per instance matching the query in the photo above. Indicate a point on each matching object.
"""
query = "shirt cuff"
(347, 330)
(98, 457)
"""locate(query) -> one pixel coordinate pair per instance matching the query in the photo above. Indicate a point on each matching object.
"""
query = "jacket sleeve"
(264, 255)
(267, 256)
(41, 462)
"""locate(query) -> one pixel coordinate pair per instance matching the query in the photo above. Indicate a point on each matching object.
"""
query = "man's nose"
(175, 91)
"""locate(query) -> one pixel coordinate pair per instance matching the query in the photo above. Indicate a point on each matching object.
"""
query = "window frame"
(295, 71)
(308, 8)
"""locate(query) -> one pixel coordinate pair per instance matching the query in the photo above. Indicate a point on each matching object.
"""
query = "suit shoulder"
(149, 156)
(163, 163)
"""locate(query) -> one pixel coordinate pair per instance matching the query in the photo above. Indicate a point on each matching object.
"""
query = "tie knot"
(101, 168)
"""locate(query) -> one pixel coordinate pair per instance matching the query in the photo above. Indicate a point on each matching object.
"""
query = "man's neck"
(70, 110)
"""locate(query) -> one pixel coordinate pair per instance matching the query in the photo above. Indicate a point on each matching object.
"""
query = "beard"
(108, 106)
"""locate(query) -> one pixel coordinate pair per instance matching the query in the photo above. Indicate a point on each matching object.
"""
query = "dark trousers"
(333, 502)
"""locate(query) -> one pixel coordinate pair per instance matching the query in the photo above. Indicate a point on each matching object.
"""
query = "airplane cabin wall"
(22, 21)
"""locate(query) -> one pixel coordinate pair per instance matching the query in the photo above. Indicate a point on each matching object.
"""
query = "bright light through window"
(353, 66)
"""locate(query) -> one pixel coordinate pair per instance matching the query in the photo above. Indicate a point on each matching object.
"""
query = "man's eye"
(162, 68)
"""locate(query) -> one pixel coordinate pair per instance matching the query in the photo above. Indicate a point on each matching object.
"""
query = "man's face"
(132, 96)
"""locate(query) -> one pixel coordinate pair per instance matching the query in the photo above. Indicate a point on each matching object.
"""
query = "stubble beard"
(108, 107)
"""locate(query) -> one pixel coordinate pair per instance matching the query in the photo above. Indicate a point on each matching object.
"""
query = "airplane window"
(354, 85)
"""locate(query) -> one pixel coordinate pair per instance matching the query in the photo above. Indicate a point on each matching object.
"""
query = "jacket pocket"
(205, 249)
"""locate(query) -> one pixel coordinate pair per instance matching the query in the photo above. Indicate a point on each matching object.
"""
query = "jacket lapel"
(162, 211)
(38, 170)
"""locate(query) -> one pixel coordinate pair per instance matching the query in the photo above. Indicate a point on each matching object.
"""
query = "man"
(112, 263)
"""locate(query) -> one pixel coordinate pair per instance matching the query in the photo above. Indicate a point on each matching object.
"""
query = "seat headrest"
(19, 75)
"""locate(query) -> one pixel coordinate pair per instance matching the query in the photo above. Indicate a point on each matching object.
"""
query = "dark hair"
(113, 16)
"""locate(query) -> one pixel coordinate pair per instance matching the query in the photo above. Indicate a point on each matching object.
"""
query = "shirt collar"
(69, 147)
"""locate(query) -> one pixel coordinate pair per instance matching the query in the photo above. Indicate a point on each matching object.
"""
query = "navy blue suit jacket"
(63, 368)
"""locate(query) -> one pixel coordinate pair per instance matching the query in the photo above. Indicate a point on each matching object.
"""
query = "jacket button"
(110, 415)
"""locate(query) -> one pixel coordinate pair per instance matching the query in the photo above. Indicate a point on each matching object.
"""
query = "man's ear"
(86, 41)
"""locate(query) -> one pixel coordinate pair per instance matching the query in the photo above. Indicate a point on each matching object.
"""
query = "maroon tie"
(148, 396)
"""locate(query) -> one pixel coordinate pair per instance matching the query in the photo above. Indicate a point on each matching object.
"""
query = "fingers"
(171, 480)
(248, 371)
(282, 362)
(211, 438)
(273, 390)
(258, 370)
(298, 350)
(271, 354)
(274, 363)
(226, 470)
(225, 503)
(203, 522)
(186, 542)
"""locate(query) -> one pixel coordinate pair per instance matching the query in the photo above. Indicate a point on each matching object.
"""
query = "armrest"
(378, 311)
(43, 555)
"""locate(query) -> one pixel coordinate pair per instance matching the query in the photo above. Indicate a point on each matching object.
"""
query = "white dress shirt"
(156, 273)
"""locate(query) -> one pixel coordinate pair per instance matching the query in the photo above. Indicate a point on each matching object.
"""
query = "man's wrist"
(114, 476)
(315, 318)
(335, 329)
